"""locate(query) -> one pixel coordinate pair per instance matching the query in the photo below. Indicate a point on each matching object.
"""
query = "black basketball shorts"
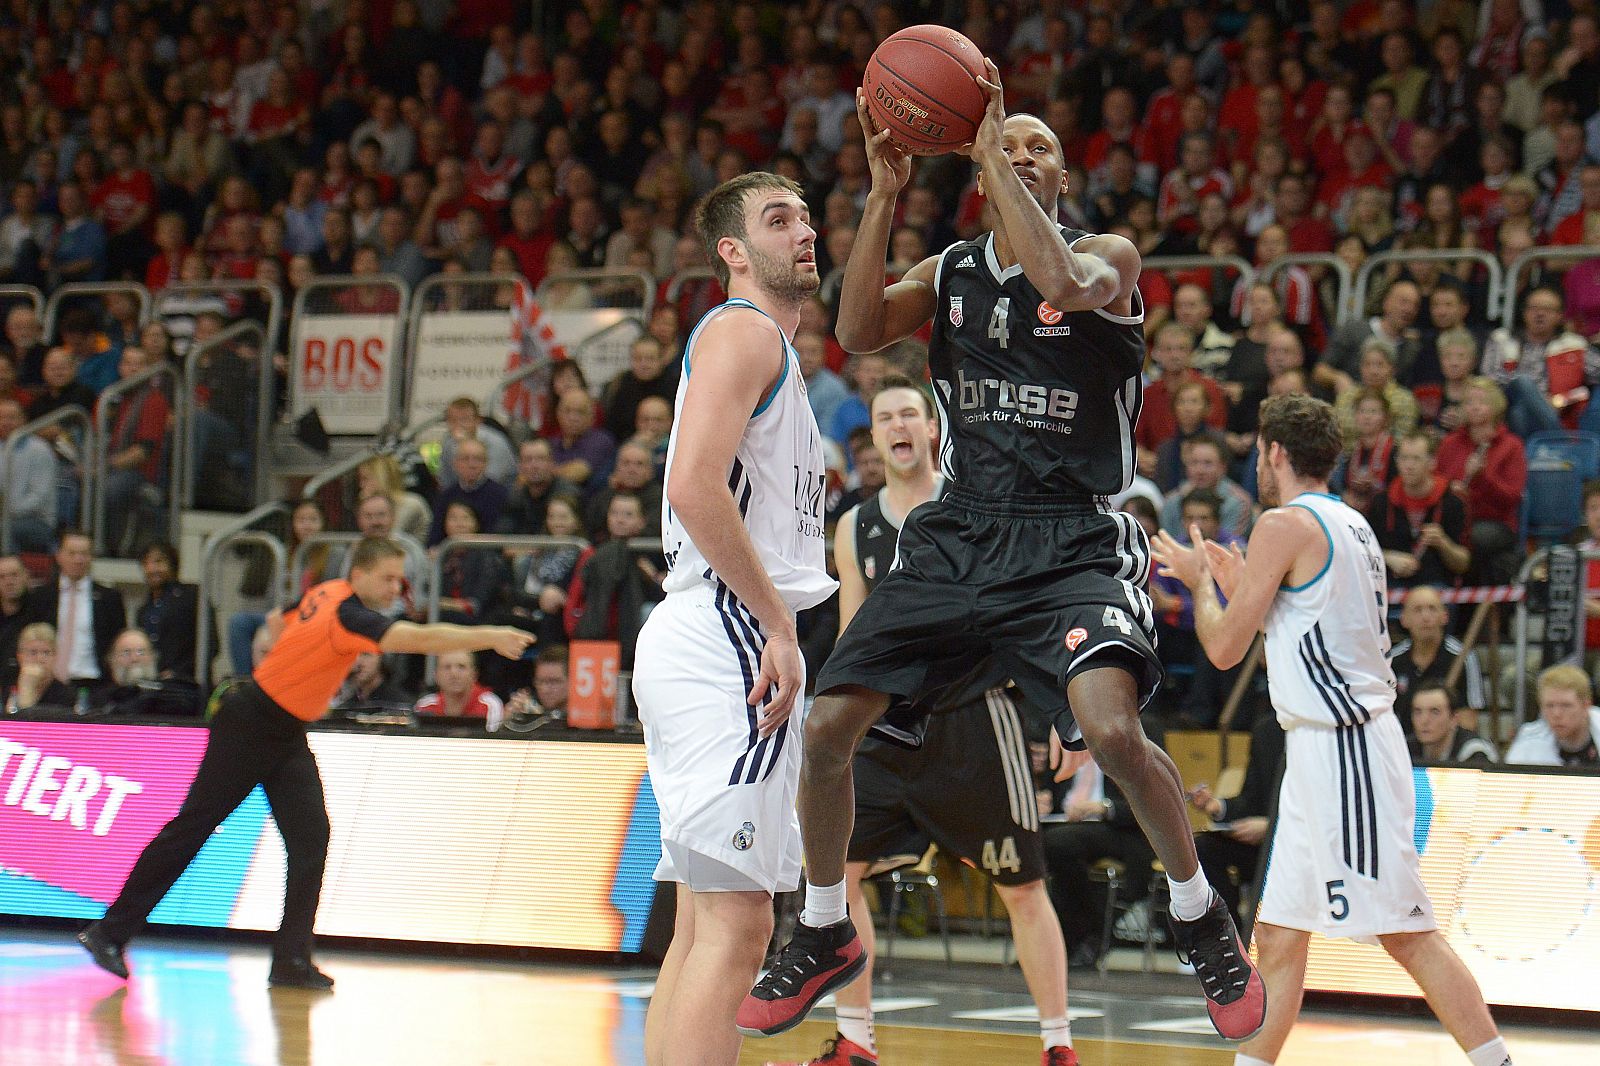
(1035, 590)
(969, 789)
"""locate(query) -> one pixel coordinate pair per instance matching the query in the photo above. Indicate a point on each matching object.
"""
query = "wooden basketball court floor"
(203, 1003)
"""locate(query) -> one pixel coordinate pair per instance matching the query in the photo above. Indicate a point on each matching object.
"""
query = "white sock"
(1241, 1059)
(1055, 1032)
(855, 1025)
(1190, 898)
(1493, 1053)
(824, 905)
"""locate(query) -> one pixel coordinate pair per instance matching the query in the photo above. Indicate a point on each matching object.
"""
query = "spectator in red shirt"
(135, 448)
(1570, 229)
(123, 203)
(1236, 118)
(171, 245)
(1361, 168)
(1480, 204)
(1487, 466)
(1332, 127)
(1119, 125)
(1163, 114)
(1173, 352)
(1291, 209)
(491, 172)
(1182, 190)
(459, 694)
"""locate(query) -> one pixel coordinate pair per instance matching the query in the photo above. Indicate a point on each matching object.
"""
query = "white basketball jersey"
(778, 479)
(1328, 640)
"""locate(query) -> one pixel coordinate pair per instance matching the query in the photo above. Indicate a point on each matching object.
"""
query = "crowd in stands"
(165, 140)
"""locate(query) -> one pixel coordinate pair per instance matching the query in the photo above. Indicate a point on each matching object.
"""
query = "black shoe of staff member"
(298, 973)
(106, 954)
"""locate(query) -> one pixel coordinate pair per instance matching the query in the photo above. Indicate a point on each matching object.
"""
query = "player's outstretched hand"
(992, 126)
(890, 167)
(1227, 565)
(511, 642)
(781, 670)
(1186, 564)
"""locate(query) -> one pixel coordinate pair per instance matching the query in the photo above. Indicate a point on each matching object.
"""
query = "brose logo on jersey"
(997, 399)
(955, 311)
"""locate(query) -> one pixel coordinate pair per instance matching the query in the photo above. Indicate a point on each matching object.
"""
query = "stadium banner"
(458, 353)
(343, 365)
(1512, 863)
(544, 844)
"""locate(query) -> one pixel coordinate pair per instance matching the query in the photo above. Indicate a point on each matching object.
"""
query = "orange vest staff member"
(259, 738)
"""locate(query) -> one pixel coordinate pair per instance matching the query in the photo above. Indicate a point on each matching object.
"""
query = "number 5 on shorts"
(1338, 905)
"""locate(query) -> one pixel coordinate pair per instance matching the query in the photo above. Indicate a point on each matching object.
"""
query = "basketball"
(921, 85)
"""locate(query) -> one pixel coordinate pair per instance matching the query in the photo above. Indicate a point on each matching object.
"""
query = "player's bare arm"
(1286, 547)
(737, 363)
(1103, 269)
(852, 586)
(871, 316)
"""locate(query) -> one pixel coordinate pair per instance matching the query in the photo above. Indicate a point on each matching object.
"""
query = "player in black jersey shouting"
(1035, 358)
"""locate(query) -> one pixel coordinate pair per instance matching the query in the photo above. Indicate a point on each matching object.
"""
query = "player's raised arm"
(871, 316)
(1103, 269)
(1283, 538)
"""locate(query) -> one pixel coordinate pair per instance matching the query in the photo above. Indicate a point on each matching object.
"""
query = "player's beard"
(783, 280)
(1267, 485)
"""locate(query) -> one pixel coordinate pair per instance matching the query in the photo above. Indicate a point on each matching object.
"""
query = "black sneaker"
(106, 954)
(298, 973)
(812, 964)
(1235, 997)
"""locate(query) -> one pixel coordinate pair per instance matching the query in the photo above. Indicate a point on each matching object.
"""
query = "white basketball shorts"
(1344, 858)
(726, 794)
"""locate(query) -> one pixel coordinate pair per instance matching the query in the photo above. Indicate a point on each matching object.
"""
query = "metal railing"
(109, 400)
(16, 294)
(601, 280)
(313, 301)
(1168, 263)
(416, 554)
(1508, 291)
(682, 277)
(86, 470)
(483, 542)
(184, 405)
(267, 391)
(601, 355)
(1343, 311)
(239, 531)
(1428, 255)
(76, 290)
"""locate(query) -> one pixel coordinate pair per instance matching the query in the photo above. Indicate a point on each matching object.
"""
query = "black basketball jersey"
(877, 537)
(1033, 401)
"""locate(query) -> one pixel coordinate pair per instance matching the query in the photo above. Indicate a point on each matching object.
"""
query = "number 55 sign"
(592, 683)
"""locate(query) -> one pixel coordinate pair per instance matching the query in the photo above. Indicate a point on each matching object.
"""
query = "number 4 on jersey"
(1000, 322)
(1117, 619)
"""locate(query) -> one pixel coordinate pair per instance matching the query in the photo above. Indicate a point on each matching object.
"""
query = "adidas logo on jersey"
(967, 261)
(1416, 912)
(875, 531)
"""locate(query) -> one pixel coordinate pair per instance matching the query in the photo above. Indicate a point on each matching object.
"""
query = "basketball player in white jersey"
(718, 671)
(1343, 862)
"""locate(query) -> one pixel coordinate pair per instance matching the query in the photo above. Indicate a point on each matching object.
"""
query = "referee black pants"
(253, 742)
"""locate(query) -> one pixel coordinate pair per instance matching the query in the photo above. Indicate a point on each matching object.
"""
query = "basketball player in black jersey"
(1036, 352)
(969, 788)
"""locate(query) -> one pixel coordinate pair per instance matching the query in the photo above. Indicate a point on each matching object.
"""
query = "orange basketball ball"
(922, 86)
